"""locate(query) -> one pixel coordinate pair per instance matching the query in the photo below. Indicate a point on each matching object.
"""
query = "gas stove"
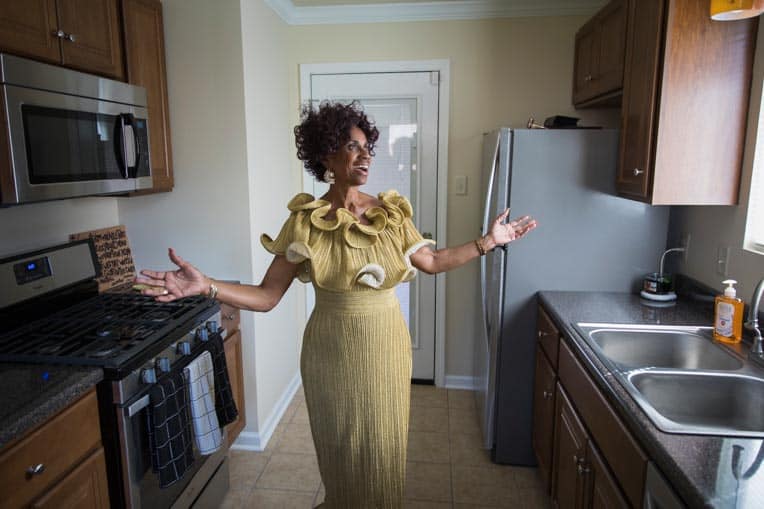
(51, 313)
(117, 331)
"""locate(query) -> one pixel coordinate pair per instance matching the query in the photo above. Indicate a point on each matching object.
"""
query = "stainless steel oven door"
(63, 146)
(140, 483)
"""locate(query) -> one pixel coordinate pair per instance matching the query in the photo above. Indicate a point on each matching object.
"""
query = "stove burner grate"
(109, 329)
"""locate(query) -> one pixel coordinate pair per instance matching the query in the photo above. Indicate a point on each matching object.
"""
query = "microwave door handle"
(120, 149)
(130, 142)
(130, 121)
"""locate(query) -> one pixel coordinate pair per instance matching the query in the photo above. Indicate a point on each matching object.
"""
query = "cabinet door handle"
(59, 33)
(582, 469)
(588, 77)
(637, 172)
(69, 37)
(229, 317)
(541, 333)
(36, 469)
(546, 394)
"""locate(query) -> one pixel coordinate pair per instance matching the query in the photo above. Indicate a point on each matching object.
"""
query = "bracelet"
(213, 291)
(479, 246)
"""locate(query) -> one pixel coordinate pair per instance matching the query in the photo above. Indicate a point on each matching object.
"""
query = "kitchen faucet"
(753, 320)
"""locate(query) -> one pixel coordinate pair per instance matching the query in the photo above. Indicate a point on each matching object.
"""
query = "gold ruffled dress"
(356, 352)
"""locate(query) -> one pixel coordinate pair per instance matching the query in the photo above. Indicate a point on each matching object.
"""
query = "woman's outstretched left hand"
(166, 286)
(502, 233)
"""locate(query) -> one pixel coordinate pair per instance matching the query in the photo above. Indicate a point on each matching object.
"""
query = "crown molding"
(429, 11)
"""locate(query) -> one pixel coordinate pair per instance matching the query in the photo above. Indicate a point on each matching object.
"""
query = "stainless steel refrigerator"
(587, 239)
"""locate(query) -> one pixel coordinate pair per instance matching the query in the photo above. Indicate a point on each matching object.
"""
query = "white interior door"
(404, 106)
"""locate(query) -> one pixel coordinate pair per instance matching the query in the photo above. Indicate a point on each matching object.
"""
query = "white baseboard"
(258, 440)
(461, 382)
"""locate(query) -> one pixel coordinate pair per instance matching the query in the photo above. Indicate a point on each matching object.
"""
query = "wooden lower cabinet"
(570, 452)
(603, 491)
(67, 452)
(587, 458)
(543, 415)
(233, 359)
(583, 479)
(84, 487)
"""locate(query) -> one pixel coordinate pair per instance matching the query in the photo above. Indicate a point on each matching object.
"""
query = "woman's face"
(350, 163)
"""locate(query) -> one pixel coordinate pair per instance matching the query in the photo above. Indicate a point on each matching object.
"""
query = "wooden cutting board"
(113, 253)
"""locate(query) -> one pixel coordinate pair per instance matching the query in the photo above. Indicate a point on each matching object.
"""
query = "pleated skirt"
(356, 374)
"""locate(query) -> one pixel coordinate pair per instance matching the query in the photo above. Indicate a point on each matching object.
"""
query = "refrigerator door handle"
(486, 218)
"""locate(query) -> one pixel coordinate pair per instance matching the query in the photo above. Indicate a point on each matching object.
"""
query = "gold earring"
(329, 177)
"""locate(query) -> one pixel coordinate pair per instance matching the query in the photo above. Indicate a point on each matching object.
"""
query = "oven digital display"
(31, 270)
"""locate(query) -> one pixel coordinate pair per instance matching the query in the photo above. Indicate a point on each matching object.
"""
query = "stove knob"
(212, 326)
(149, 376)
(184, 348)
(202, 334)
(163, 363)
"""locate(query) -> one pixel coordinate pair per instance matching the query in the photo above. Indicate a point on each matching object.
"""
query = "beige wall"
(712, 227)
(206, 217)
(272, 180)
(502, 72)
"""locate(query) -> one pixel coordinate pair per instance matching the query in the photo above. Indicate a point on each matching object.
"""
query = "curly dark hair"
(323, 131)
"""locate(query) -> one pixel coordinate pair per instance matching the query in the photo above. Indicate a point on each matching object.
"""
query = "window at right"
(754, 224)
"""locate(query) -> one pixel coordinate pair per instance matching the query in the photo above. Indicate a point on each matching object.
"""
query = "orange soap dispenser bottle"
(728, 315)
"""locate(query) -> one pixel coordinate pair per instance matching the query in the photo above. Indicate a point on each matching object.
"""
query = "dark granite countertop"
(705, 471)
(32, 394)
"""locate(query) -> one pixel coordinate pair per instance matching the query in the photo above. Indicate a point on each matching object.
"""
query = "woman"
(356, 353)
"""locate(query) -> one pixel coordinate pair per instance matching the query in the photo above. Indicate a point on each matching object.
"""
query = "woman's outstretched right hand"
(170, 285)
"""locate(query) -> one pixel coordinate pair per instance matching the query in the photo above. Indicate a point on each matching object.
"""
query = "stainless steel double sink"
(683, 380)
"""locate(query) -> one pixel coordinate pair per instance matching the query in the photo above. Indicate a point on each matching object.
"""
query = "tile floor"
(446, 468)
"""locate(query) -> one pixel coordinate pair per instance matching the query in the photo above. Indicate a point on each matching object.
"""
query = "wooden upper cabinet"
(144, 49)
(81, 34)
(92, 40)
(26, 29)
(599, 56)
(687, 84)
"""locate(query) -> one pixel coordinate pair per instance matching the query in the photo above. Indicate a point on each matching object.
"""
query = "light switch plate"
(461, 184)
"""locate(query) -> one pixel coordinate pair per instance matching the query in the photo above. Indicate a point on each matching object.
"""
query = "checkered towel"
(172, 451)
(200, 375)
(225, 405)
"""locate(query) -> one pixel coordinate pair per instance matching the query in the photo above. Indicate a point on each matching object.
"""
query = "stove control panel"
(179, 351)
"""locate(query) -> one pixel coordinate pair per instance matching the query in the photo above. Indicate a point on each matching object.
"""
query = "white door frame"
(443, 68)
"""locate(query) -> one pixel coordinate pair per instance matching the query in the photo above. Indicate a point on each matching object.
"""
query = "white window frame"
(753, 235)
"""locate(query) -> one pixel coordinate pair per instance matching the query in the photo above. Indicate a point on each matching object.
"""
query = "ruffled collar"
(393, 211)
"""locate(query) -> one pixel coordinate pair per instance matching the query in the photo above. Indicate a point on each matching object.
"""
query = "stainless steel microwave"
(70, 134)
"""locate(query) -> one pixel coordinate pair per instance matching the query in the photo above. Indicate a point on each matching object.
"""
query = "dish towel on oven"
(170, 440)
(225, 406)
(201, 386)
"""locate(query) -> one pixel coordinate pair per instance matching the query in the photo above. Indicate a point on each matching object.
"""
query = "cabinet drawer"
(58, 445)
(548, 336)
(229, 318)
(624, 456)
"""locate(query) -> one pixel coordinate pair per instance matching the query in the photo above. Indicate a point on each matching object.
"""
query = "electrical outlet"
(685, 243)
(722, 260)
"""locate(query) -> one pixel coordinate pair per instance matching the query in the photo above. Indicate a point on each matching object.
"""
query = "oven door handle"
(138, 406)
